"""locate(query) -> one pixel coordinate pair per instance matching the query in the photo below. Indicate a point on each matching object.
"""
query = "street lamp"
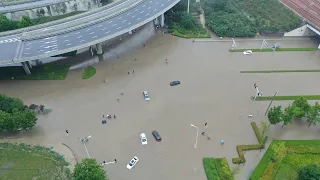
(111, 162)
(188, 6)
(84, 144)
(195, 145)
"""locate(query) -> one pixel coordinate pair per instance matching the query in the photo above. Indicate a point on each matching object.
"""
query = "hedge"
(210, 168)
(223, 169)
(266, 170)
(241, 148)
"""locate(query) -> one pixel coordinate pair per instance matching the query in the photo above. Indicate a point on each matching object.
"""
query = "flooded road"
(212, 91)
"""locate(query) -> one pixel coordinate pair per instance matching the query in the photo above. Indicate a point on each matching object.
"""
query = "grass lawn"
(298, 154)
(286, 98)
(277, 50)
(88, 72)
(21, 161)
(44, 72)
(217, 169)
(281, 71)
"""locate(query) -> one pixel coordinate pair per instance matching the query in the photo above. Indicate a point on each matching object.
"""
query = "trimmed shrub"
(210, 168)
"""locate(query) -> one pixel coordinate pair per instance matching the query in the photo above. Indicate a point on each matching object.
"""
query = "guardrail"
(10, 3)
(83, 20)
(83, 25)
(31, 6)
(60, 21)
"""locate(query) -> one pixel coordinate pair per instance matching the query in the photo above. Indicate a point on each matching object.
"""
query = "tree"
(313, 114)
(264, 128)
(89, 169)
(25, 22)
(309, 172)
(287, 115)
(275, 115)
(278, 150)
(7, 104)
(301, 107)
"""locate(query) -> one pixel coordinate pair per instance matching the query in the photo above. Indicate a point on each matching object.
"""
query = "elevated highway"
(50, 41)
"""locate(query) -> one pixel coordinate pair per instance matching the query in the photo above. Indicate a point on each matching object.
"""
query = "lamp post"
(84, 144)
(188, 6)
(106, 163)
(195, 145)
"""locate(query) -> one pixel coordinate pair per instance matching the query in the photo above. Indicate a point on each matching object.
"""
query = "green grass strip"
(281, 71)
(89, 72)
(286, 98)
(270, 50)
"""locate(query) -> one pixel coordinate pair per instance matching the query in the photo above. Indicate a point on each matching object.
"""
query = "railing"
(316, 9)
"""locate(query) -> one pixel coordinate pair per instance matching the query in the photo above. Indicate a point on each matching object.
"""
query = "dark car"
(173, 83)
(156, 135)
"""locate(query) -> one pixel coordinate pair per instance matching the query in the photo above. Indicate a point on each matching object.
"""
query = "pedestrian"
(114, 67)
(203, 133)
(205, 124)
(121, 94)
(133, 71)
(114, 116)
(115, 160)
(67, 132)
(222, 142)
(144, 45)
(167, 61)
(255, 85)
(135, 59)
(104, 162)
(128, 72)
(118, 99)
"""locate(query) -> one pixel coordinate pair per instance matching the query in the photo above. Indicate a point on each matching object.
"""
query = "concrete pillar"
(162, 20)
(29, 64)
(99, 48)
(26, 68)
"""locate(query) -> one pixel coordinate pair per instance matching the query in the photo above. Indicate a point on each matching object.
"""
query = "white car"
(133, 162)
(143, 139)
(146, 96)
(247, 52)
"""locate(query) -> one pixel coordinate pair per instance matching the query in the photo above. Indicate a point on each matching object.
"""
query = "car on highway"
(173, 83)
(247, 52)
(156, 135)
(146, 96)
(132, 162)
(143, 139)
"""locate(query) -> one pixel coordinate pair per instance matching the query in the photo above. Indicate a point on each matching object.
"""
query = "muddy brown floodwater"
(212, 90)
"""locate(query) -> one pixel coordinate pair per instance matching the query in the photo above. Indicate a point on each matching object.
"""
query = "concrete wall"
(301, 31)
(56, 9)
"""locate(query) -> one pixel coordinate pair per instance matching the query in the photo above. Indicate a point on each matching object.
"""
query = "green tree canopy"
(314, 114)
(89, 169)
(301, 107)
(25, 22)
(275, 115)
(309, 172)
(287, 115)
(7, 104)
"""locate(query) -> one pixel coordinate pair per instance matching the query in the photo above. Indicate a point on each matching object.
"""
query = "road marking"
(144, 5)
(49, 46)
(141, 12)
(94, 37)
(124, 21)
(81, 41)
(157, 2)
(51, 37)
(28, 44)
(114, 25)
(128, 14)
(107, 32)
(41, 50)
(136, 10)
(120, 17)
(91, 33)
(147, 14)
(49, 42)
(150, 2)
(118, 27)
(50, 51)
(154, 9)
(103, 29)
(65, 36)
(161, 4)
(100, 25)
(129, 22)
(133, 16)
(88, 29)
(26, 48)
(77, 33)
(66, 40)
(110, 22)
(26, 53)
(68, 44)
(79, 37)
(138, 19)
(149, 7)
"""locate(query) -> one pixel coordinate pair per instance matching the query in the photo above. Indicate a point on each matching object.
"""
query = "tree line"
(8, 25)
(299, 109)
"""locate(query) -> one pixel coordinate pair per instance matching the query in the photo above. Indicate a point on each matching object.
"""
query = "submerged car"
(156, 135)
(133, 162)
(173, 83)
(247, 52)
(146, 96)
(143, 139)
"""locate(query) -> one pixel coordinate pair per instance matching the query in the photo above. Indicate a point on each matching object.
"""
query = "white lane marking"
(77, 33)
(65, 36)
(41, 50)
(133, 16)
(154, 9)
(28, 44)
(109, 22)
(79, 37)
(144, 5)
(136, 10)
(118, 27)
(157, 2)
(129, 22)
(100, 25)
(94, 37)
(81, 41)
(141, 12)
(26, 48)
(49, 46)
(26, 53)
(147, 14)
(49, 42)
(128, 14)
(124, 21)
(107, 32)
(161, 4)
(91, 33)
(68, 44)
(88, 29)
(103, 29)
(120, 17)
(149, 7)
(50, 51)
(51, 37)
(114, 25)
(138, 19)
(66, 40)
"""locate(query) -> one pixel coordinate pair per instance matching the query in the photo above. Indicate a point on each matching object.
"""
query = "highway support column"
(26, 68)
(99, 48)
(162, 20)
